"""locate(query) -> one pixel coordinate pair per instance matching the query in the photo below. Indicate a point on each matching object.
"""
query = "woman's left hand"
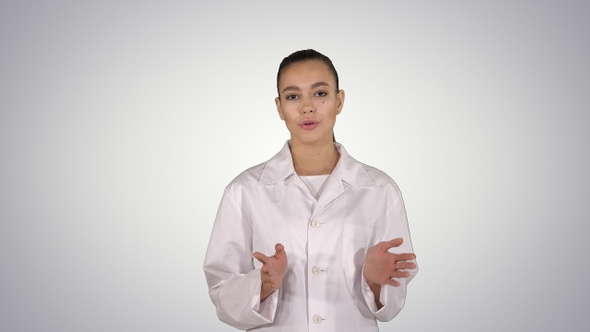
(381, 266)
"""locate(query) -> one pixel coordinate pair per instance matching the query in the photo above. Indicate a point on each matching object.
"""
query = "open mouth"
(308, 124)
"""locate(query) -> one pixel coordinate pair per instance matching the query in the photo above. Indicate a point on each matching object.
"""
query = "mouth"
(308, 123)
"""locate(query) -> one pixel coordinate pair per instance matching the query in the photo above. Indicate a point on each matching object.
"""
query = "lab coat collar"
(349, 170)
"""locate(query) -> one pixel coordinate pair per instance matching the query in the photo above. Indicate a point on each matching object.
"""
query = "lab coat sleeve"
(234, 283)
(393, 225)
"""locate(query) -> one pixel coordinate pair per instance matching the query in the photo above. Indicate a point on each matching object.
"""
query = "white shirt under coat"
(325, 241)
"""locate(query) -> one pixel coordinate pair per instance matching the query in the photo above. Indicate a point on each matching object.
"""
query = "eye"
(291, 97)
(321, 93)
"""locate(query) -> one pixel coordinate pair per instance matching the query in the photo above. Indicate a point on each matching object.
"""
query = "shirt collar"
(348, 169)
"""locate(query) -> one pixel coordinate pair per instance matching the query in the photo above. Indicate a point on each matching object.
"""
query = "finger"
(405, 265)
(393, 282)
(261, 257)
(404, 257)
(401, 274)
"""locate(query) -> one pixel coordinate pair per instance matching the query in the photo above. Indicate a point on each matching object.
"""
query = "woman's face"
(308, 102)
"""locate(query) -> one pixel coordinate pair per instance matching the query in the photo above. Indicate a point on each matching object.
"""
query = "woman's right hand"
(273, 270)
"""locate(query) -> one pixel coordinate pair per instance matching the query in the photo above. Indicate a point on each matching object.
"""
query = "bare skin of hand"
(273, 270)
(381, 266)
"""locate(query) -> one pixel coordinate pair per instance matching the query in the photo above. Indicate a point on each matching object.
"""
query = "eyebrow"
(313, 86)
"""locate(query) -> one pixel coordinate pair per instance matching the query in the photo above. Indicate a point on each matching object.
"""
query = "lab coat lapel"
(333, 188)
(280, 168)
(348, 171)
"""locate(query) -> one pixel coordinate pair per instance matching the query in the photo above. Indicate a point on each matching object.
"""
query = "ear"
(279, 108)
(339, 101)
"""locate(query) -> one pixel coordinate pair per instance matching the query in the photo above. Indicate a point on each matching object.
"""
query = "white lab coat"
(325, 241)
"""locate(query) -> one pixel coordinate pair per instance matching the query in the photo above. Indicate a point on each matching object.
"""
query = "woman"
(312, 238)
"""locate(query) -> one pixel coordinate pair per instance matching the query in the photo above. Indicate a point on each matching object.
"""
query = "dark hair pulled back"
(306, 55)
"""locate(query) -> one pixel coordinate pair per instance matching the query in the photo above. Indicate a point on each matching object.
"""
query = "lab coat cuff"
(267, 308)
(370, 297)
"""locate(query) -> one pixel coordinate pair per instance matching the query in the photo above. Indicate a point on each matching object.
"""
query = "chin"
(312, 140)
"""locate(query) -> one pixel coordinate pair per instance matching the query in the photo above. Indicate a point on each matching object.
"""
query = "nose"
(307, 106)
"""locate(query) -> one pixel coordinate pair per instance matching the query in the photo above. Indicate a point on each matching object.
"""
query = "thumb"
(394, 243)
(279, 249)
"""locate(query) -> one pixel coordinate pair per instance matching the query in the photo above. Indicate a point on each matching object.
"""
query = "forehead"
(306, 73)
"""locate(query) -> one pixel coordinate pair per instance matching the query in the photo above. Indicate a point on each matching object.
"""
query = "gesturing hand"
(381, 265)
(273, 270)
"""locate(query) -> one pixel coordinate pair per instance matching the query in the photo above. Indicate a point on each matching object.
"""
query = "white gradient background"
(121, 123)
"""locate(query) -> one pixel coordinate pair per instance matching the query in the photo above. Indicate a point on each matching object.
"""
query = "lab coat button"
(315, 224)
(316, 270)
(317, 319)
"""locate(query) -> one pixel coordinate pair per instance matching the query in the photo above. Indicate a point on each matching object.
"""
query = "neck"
(314, 160)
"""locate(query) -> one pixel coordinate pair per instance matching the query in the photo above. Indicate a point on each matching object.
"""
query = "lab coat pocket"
(355, 240)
